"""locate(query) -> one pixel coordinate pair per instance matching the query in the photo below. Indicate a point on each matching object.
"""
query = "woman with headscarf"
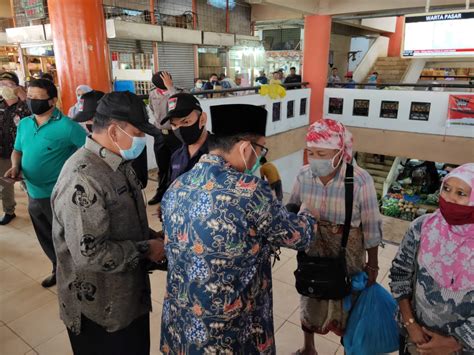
(80, 90)
(320, 184)
(432, 276)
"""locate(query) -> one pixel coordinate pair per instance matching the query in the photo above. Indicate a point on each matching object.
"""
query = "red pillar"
(80, 46)
(396, 39)
(317, 36)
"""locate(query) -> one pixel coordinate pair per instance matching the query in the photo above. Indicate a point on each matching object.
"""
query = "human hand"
(21, 93)
(306, 207)
(416, 334)
(13, 173)
(438, 344)
(156, 252)
(372, 272)
(167, 81)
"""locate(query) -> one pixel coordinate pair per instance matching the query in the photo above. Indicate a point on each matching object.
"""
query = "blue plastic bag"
(371, 327)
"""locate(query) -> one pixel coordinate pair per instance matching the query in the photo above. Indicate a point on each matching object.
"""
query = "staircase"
(377, 168)
(390, 69)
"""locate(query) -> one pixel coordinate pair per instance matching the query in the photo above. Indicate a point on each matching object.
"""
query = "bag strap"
(349, 201)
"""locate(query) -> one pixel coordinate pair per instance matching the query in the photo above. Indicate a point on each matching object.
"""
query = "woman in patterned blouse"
(432, 276)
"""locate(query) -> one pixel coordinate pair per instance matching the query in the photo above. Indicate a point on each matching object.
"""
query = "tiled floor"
(29, 322)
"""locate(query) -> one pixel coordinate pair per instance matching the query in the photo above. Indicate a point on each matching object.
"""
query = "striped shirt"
(329, 201)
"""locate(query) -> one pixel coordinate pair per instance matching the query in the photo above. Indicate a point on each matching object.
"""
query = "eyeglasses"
(264, 149)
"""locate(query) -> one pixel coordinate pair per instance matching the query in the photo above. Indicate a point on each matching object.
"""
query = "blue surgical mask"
(324, 167)
(138, 144)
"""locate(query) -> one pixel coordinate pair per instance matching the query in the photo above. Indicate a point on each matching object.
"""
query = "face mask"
(372, 77)
(7, 93)
(456, 214)
(322, 167)
(255, 166)
(138, 144)
(189, 135)
(37, 106)
(199, 85)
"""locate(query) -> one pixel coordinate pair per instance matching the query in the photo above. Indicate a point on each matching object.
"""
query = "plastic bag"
(371, 327)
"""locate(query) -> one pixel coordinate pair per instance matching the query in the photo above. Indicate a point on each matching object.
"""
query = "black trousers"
(140, 166)
(164, 147)
(42, 218)
(95, 340)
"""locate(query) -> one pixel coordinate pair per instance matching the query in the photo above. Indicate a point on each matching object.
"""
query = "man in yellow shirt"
(269, 172)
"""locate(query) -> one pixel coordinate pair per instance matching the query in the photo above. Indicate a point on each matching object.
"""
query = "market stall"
(415, 191)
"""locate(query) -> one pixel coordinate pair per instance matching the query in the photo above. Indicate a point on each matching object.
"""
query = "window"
(290, 109)
(276, 111)
(303, 107)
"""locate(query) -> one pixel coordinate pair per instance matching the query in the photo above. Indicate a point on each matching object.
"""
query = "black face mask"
(37, 106)
(189, 135)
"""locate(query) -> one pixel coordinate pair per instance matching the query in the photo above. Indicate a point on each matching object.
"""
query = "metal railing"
(430, 86)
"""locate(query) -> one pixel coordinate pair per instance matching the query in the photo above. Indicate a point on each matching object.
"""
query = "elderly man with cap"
(165, 140)
(220, 223)
(101, 235)
(87, 107)
(322, 183)
(12, 110)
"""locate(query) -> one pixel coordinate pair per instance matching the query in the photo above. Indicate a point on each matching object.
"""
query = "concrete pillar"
(396, 38)
(317, 37)
(80, 46)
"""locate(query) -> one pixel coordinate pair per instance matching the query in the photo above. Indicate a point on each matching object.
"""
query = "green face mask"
(255, 166)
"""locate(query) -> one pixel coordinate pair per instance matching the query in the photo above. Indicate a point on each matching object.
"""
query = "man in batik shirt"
(220, 223)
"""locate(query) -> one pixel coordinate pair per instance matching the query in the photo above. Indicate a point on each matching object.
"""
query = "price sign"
(34, 9)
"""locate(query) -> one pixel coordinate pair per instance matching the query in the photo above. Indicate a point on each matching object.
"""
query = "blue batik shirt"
(220, 226)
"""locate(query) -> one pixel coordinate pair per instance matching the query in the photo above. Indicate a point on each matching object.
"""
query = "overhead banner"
(439, 35)
(461, 110)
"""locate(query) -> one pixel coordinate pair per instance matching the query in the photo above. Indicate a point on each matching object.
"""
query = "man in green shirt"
(43, 143)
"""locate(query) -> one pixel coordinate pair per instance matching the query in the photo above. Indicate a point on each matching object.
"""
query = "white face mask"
(323, 167)
(199, 85)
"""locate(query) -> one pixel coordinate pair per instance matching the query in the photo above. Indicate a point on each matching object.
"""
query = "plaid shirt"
(330, 202)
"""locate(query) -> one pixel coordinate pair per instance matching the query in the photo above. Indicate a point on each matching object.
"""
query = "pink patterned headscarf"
(330, 134)
(447, 251)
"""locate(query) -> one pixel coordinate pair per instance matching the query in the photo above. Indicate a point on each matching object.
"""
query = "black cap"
(127, 107)
(6, 75)
(181, 105)
(88, 105)
(158, 81)
(230, 120)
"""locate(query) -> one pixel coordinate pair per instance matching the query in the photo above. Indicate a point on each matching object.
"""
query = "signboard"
(361, 108)
(389, 109)
(420, 111)
(461, 110)
(439, 35)
(335, 105)
(34, 9)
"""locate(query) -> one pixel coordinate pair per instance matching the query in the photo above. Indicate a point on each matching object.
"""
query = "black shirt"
(9, 118)
(293, 79)
(181, 162)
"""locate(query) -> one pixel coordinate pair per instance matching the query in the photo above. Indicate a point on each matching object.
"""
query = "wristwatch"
(410, 322)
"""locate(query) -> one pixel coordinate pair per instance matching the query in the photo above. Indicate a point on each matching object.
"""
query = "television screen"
(439, 35)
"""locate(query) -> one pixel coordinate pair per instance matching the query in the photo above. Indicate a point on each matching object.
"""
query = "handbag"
(326, 278)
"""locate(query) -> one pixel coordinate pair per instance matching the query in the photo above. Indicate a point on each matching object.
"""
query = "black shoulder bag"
(326, 278)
